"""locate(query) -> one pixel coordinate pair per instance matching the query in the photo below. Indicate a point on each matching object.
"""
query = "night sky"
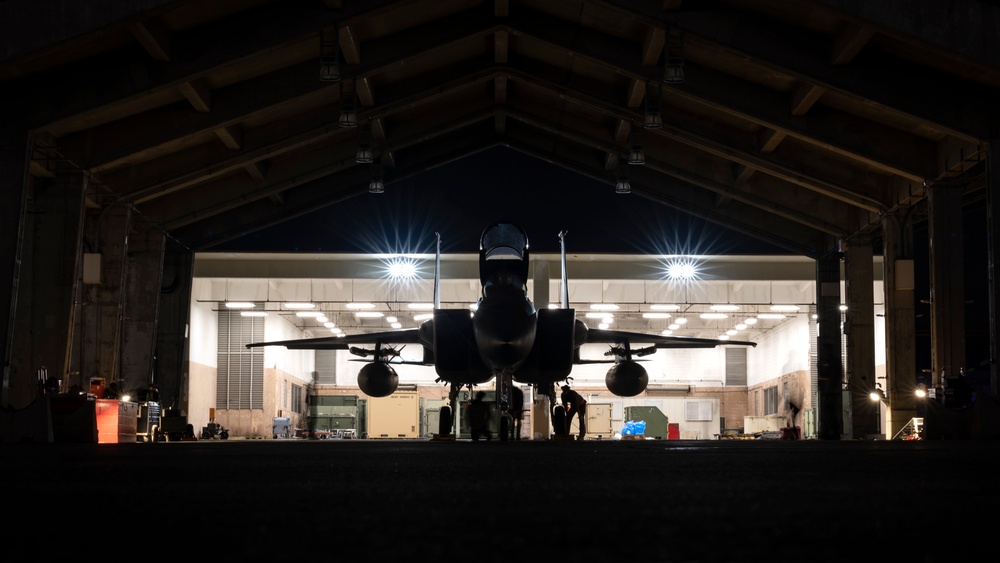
(461, 199)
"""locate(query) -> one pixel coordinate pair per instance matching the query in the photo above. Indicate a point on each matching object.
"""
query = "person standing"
(575, 404)
(516, 411)
(479, 417)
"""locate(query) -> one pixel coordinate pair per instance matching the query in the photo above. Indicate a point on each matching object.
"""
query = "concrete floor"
(422, 500)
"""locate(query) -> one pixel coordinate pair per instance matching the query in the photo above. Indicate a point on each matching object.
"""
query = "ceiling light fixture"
(673, 67)
(656, 315)
(329, 58)
(376, 186)
(365, 155)
(603, 307)
(635, 156)
(348, 115)
(653, 119)
(623, 186)
(784, 308)
(239, 305)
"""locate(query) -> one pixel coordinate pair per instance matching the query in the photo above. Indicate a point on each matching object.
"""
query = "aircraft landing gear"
(505, 381)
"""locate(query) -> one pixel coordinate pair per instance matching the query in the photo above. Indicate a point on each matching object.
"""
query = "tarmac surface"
(424, 500)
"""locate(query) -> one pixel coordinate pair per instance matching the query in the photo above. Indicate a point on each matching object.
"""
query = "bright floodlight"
(682, 271)
(402, 268)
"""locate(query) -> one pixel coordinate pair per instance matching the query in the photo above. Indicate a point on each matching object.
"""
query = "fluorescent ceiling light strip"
(784, 308)
(603, 307)
(656, 315)
(239, 305)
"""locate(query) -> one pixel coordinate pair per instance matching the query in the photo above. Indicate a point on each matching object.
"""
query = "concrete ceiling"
(798, 123)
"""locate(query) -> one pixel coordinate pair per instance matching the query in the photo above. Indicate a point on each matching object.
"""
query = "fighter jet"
(504, 337)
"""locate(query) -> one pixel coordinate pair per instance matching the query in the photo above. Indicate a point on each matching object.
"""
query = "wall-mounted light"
(877, 394)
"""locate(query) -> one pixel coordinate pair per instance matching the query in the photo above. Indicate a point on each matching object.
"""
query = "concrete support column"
(101, 308)
(900, 333)
(171, 362)
(47, 305)
(947, 284)
(15, 151)
(143, 279)
(993, 232)
(828, 352)
(541, 419)
(859, 326)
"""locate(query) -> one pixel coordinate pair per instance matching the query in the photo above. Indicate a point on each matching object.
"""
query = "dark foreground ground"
(417, 501)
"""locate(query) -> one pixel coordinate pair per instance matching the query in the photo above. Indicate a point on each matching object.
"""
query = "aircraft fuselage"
(504, 327)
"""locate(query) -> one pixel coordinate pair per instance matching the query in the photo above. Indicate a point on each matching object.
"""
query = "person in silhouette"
(479, 417)
(516, 412)
(575, 404)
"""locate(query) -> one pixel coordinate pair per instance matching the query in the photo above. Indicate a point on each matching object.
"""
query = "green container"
(656, 421)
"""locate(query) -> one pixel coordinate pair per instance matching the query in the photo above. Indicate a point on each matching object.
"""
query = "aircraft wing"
(401, 336)
(601, 336)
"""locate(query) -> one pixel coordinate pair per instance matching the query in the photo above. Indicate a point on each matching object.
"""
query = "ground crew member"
(575, 404)
(516, 411)
(479, 417)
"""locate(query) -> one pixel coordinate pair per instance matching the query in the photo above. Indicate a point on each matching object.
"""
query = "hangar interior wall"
(781, 356)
